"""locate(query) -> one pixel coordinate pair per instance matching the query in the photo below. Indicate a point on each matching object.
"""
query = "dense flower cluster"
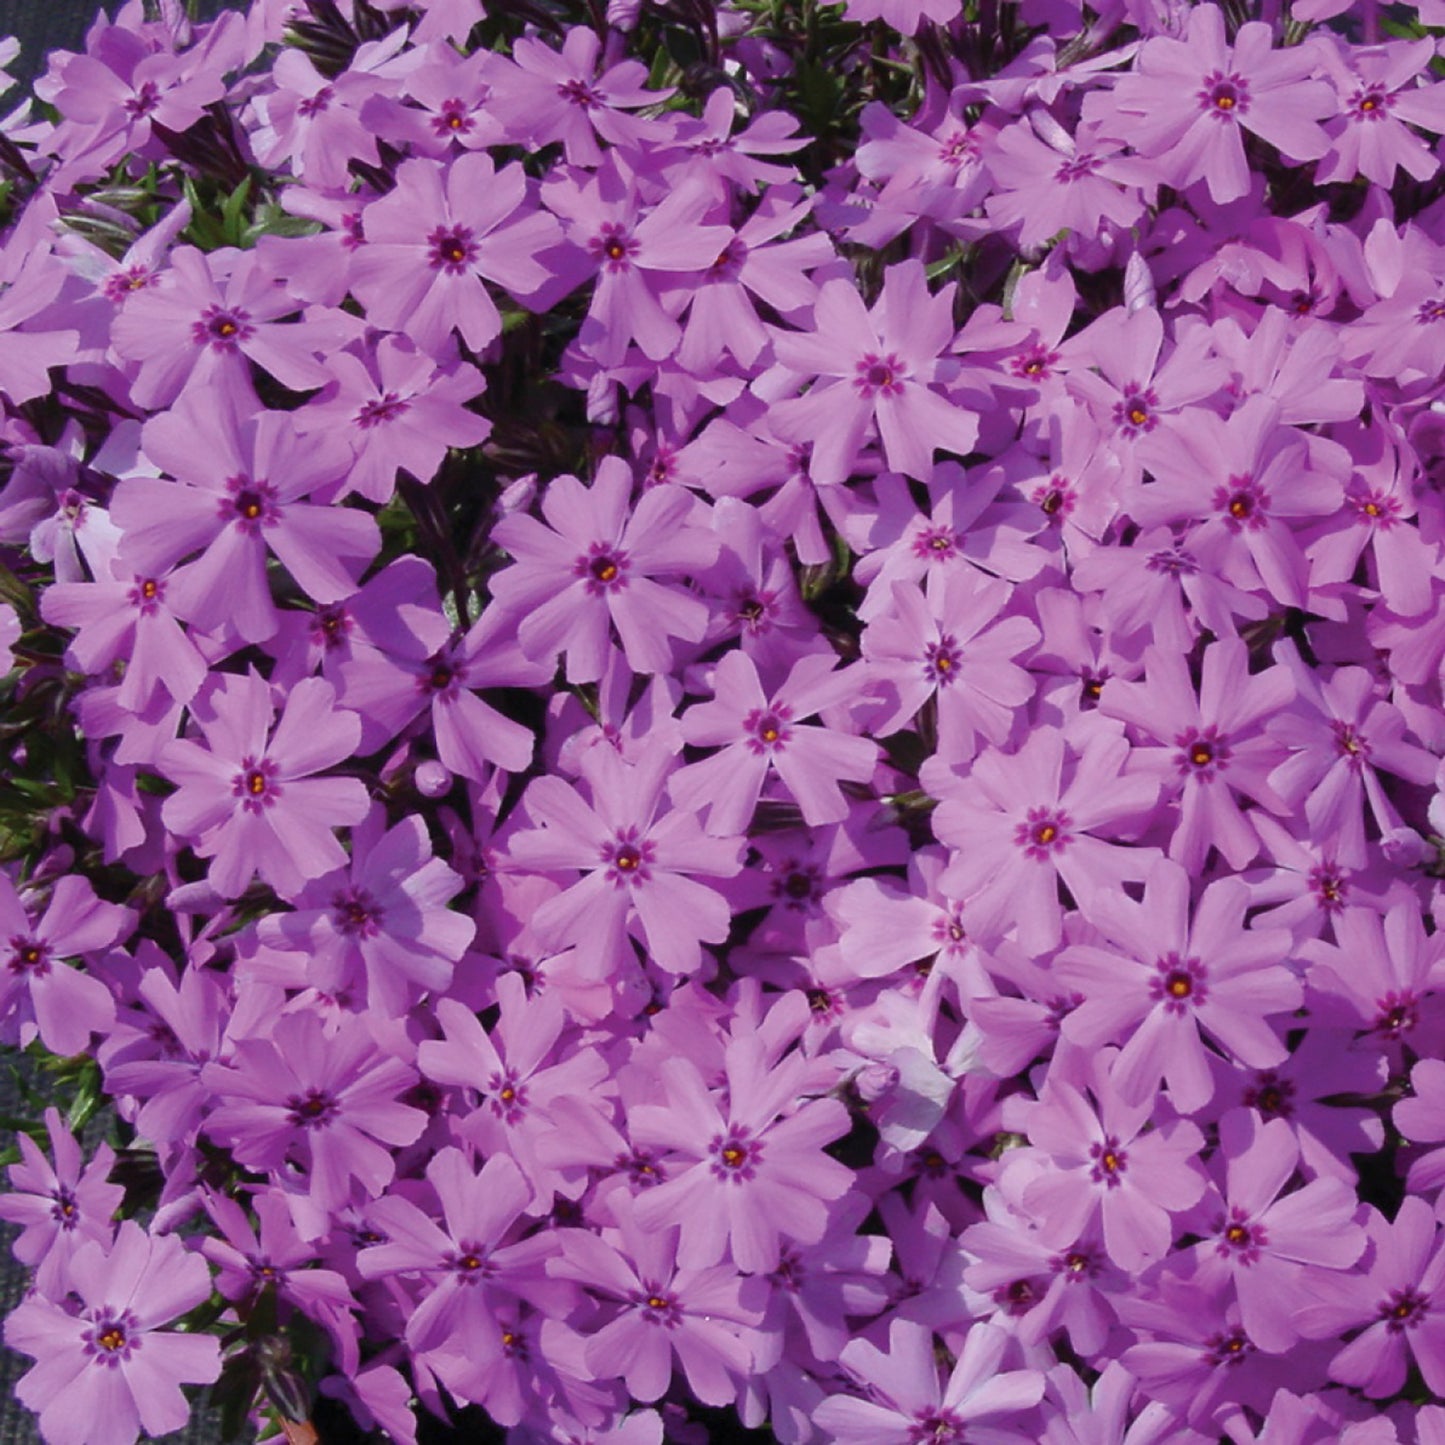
(731, 707)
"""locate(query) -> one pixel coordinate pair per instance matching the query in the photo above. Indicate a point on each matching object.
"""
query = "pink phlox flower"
(955, 649)
(1341, 734)
(272, 1255)
(1304, 887)
(435, 240)
(931, 170)
(592, 568)
(379, 930)
(1104, 1165)
(1189, 100)
(1378, 93)
(705, 148)
(248, 799)
(1077, 654)
(1049, 180)
(1268, 1241)
(756, 593)
(178, 1027)
(883, 926)
(722, 318)
(758, 732)
(419, 667)
(563, 96)
(209, 316)
(631, 728)
(1193, 1354)
(1068, 470)
(1102, 1416)
(1374, 524)
(122, 617)
(116, 279)
(1141, 395)
(636, 248)
(1180, 974)
(321, 1112)
(660, 1309)
(1035, 1287)
(1021, 823)
(107, 1371)
(399, 410)
(58, 1207)
(1213, 743)
(113, 96)
(906, 1401)
(1159, 588)
(1295, 363)
(875, 369)
(1248, 483)
(313, 124)
(967, 526)
(1381, 976)
(237, 496)
(638, 858)
(1400, 1301)
(472, 1269)
(50, 501)
(746, 1171)
(39, 992)
(445, 103)
(517, 1071)
(1400, 338)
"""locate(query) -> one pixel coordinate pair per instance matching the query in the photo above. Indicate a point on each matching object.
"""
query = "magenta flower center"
(1240, 1239)
(1179, 984)
(628, 858)
(111, 1338)
(507, 1096)
(735, 1157)
(469, 1263)
(1224, 96)
(453, 119)
(1043, 831)
(935, 1427)
(222, 328)
(1110, 1162)
(29, 955)
(1371, 104)
(1243, 502)
(1399, 1013)
(1431, 311)
(603, 568)
(249, 504)
(1232, 1349)
(314, 104)
(1134, 411)
(66, 1211)
(451, 249)
(381, 410)
(879, 374)
(1056, 499)
(255, 785)
(1202, 753)
(356, 913)
(1404, 1309)
(331, 627)
(767, 729)
(580, 93)
(657, 1306)
(1377, 509)
(613, 247)
(941, 661)
(1329, 888)
(312, 1110)
(1271, 1095)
